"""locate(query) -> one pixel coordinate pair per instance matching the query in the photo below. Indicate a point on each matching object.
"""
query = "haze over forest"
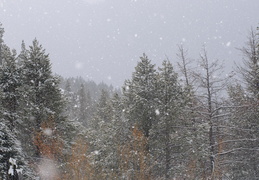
(176, 111)
(102, 40)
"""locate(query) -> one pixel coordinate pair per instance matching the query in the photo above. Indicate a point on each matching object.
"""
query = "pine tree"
(120, 124)
(10, 82)
(119, 133)
(1, 41)
(44, 95)
(84, 105)
(170, 103)
(71, 109)
(100, 134)
(104, 112)
(10, 148)
(139, 95)
(11, 105)
(7, 149)
(250, 69)
(41, 96)
(243, 152)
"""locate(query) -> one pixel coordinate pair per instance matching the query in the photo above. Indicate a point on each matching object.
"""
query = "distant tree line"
(188, 121)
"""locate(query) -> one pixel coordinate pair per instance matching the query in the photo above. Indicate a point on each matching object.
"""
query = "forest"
(190, 120)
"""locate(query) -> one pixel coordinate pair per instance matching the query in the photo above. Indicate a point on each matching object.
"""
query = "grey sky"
(103, 39)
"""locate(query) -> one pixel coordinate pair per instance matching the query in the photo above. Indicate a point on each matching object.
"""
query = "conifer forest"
(184, 119)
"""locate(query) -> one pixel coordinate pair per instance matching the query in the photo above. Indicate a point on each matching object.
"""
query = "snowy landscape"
(175, 117)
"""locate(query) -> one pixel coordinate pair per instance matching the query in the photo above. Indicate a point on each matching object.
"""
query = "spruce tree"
(243, 152)
(140, 94)
(41, 95)
(71, 108)
(10, 147)
(167, 133)
(250, 69)
(100, 134)
(10, 81)
(1, 41)
(82, 104)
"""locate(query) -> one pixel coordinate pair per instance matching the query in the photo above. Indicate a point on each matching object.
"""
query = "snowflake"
(228, 44)
(157, 112)
(47, 131)
(96, 152)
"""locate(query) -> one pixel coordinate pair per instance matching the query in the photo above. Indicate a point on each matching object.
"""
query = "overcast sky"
(102, 40)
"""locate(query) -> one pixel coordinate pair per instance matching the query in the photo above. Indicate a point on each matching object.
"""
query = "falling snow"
(102, 40)
(228, 43)
(47, 131)
(47, 169)
(157, 112)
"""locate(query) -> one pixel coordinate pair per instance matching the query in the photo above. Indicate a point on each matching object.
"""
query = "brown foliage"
(218, 172)
(47, 140)
(134, 157)
(49, 149)
(78, 165)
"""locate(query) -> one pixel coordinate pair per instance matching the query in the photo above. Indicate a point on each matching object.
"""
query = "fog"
(102, 40)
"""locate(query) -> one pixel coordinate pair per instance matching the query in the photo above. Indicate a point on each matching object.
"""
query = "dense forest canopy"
(185, 121)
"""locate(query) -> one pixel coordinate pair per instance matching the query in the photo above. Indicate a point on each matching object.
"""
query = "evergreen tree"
(100, 136)
(1, 41)
(139, 99)
(11, 106)
(7, 149)
(104, 112)
(243, 152)
(84, 105)
(10, 148)
(10, 82)
(41, 95)
(71, 109)
(120, 123)
(139, 95)
(120, 131)
(250, 69)
(44, 94)
(170, 103)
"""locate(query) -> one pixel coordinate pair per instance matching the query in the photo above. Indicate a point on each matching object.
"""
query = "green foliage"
(1, 33)
(10, 148)
(167, 142)
(250, 69)
(10, 81)
(40, 85)
(159, 128)
(140, 95)
(244, 115)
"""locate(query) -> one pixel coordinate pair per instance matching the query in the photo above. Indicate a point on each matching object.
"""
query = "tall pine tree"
(167, 132)
(1, 41)
(243, 152)
(139, 95)
(10, 81)
(41, 96)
